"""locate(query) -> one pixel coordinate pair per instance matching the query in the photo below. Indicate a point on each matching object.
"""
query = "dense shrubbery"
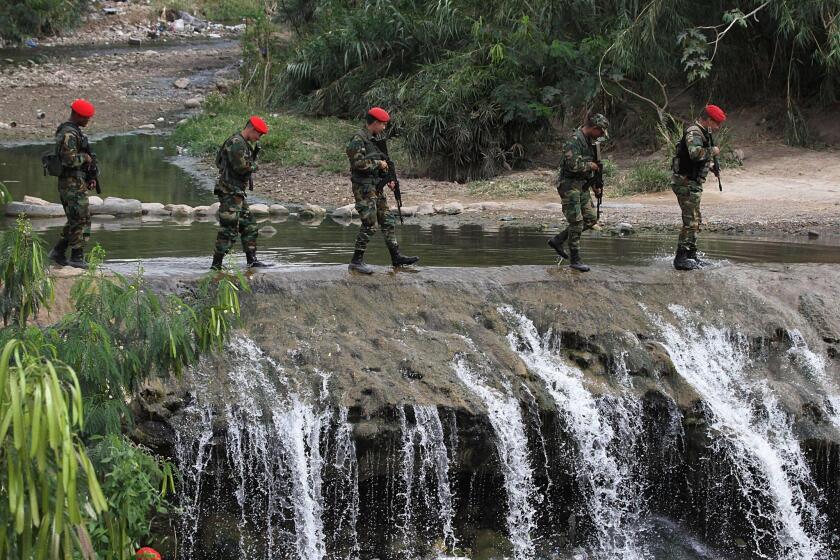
(475, 85)
(25, 18)
(67, 492)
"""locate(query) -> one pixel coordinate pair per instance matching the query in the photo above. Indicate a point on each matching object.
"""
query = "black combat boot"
(251, 258)
(58, 253)
(558, 241)
(358, 265)
(692, 255)
(77, 259)
(576, 262)
(682, 262)
(217, 261)
(398, 259)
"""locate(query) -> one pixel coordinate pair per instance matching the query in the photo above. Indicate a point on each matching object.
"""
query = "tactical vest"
(51, 160)
(226, 173)
(683, 165)
(372, 152)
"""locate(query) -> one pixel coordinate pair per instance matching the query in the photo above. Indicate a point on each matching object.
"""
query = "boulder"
(278, 210)
(181, 83)
(425, 209)
(201, 210)
(35, 201)
(181, 210)
(214, 208)
(342, 212)
(118, 207)
(149, 126)
(453, 208)
(95, 200)
(311, 211)
(623, 228)
(153, 209)
(259, 209)
(34, 210)
(193, 103)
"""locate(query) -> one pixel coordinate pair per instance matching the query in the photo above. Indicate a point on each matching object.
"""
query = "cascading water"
(273, 441)
(605, 432)
(751, 429)
(814, 366)
(424, 476)
(512, 447)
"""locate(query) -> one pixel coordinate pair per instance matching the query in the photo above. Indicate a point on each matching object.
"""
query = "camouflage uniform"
(236, 164)
(370, 200)
(689, 188)
(573, 187)
(71, 146)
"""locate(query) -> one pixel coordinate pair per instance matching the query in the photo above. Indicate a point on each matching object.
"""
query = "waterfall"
(512, 446)
(424, 476)
(605, 448)
(813, 365)
(274, 457)
(753, 431)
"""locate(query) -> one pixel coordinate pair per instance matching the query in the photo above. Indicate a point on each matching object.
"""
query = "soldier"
(236, 161)
(73, 155)
(695, 154)
(574, 184)
(368, 164)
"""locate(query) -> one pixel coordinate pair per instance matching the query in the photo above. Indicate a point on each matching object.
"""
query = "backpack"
(50, 160)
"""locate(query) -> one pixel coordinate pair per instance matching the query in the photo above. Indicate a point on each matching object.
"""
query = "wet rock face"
(372, 362)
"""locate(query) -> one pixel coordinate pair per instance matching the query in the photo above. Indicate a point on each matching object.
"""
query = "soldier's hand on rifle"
(383, 165)
(91, 185)
(87, 158)
(715, 151)
(593, 166)
(392, 185)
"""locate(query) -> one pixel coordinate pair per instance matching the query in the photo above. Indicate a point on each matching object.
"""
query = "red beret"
(715, 113)
(147, 553)
(379, 114)
(83, 108)
(259, 125)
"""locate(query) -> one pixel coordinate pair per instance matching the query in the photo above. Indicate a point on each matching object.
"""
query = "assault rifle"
(254, 153)
(596, 183)
(715, 164)
(390, 175)
(92, 172)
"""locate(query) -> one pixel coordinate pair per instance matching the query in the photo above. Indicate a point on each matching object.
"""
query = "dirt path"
(131, 85)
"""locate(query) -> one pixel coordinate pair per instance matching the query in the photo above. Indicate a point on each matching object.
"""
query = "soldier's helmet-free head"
(600, 121)
(83, 110)
(148, 553)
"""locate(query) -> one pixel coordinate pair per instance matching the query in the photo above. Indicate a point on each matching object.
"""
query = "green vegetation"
(292, 140)
(20, 19)
(643, 177)
(507, 188)
(227, 11)
(76, 486)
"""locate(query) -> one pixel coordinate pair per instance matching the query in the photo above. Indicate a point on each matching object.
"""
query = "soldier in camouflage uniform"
(574, 185)
(236, 161)
(695, 154)
(368, 164)
(73, 150)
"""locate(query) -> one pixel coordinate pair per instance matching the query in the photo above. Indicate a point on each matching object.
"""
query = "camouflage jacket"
(578, 153)
(363, 154)
(71, 147)
(699, 144)
(235, 161)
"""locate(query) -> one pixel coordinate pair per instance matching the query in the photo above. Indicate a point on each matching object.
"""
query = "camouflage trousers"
(74, 198)
(578, 211)
(235, 220)
(688, 196)
(372, 207)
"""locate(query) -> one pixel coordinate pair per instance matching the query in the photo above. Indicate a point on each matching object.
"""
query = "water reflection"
(169, 245)
(132, 166)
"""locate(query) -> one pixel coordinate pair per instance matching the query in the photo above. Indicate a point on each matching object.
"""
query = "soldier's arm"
(696, 149)
(238, 158)
(574, 159)
(70, 152)
(358, 158)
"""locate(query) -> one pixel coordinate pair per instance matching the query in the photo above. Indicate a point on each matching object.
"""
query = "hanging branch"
(741, 19)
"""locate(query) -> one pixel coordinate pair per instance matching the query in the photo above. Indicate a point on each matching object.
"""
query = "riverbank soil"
(131, 85)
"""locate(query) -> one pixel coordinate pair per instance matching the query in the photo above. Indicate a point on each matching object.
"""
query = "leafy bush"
(24, 284)
(25, 18)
